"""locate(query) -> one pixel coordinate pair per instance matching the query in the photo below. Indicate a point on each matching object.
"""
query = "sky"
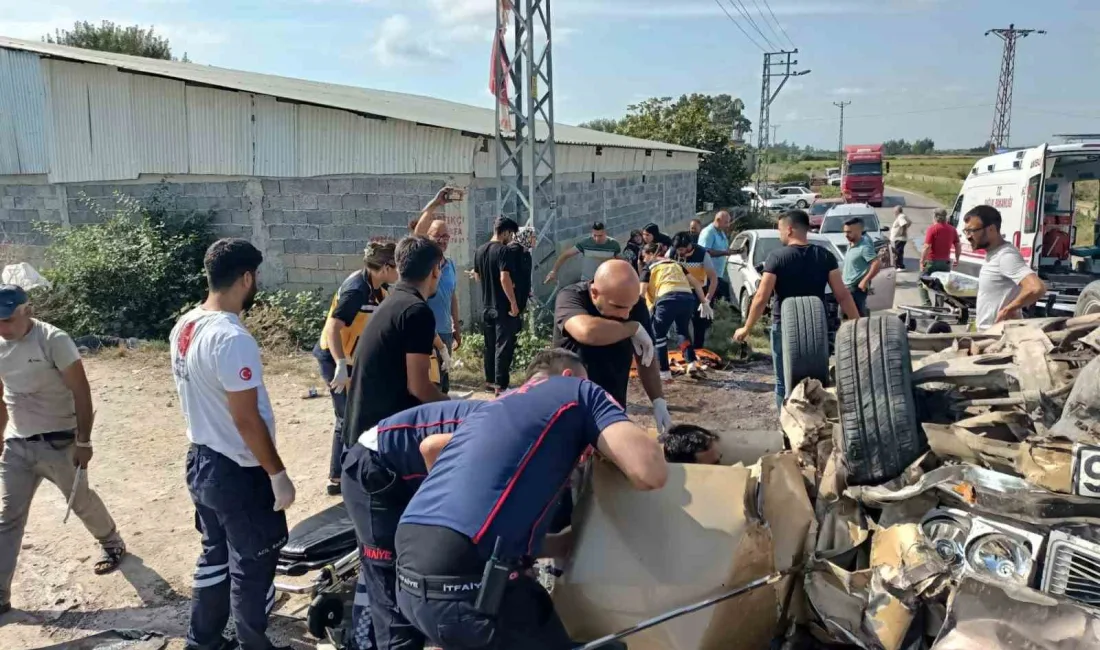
(911, 68)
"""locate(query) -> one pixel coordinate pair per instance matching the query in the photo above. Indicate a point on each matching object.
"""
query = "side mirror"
(884, 229)
(759, 268)
(887, 168)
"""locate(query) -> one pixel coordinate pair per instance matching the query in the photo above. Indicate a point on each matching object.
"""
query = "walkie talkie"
(493, 582)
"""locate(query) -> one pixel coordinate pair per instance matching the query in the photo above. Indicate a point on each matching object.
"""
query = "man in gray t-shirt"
(1006, 284)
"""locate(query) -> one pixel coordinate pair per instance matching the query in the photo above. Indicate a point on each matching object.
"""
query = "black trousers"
(339, 403)
(375, 498)
(500, 332)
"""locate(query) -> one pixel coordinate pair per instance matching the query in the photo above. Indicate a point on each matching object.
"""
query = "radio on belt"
(493, 582)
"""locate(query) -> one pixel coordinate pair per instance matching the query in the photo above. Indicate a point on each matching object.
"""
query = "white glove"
(340, 379)
(706, 311)
(643, 345)
(284, 491)
(444, 360)
(661, 415)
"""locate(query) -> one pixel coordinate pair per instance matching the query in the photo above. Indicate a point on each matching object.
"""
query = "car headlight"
(991, 548)
(1001, 557)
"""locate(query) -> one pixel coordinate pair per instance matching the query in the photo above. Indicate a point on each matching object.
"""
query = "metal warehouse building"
(308, 171)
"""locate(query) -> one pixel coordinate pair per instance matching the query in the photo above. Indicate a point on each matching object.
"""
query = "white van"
(1033, 190)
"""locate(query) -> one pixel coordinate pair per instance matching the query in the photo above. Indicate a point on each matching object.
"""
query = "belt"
(52, 436)
(441, 587)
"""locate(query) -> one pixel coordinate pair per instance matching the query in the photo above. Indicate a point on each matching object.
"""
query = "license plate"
(1086, 471)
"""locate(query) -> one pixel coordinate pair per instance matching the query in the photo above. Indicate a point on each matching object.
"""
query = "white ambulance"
(1033, 190)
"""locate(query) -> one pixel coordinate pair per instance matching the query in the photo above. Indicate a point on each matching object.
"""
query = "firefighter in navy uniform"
(382, 471)
(473, 528)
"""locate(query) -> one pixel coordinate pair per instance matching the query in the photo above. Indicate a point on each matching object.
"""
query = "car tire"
(1089, 301)
(805, 330)
(744, 304)
(801, 205)
(880, 436)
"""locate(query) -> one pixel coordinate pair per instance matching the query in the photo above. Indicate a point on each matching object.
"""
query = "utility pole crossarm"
(776, 65)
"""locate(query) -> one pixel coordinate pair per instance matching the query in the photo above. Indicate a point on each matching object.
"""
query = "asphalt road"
(919, 210)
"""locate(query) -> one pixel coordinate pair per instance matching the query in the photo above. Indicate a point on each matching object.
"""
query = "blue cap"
(11, 296)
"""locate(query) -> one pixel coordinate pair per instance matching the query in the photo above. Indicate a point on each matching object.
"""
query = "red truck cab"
(862, 176)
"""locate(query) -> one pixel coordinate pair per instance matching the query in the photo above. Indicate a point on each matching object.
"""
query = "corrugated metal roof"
(398, 106)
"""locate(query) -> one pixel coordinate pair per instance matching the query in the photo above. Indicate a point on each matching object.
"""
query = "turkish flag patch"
(246, 374)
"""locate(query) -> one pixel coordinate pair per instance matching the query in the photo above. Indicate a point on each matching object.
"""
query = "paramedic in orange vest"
(667, 288)
(351, 308)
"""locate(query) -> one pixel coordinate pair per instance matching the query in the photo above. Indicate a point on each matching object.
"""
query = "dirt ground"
(138, 471)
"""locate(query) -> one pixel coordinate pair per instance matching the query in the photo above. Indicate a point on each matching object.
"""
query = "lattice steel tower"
(1002, 115)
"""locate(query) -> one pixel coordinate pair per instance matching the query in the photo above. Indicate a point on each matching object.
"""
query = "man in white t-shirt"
(1006, 284)
(45, 433)
(237, 481)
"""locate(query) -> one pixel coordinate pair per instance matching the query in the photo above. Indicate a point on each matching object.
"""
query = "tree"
(924, 147)
(601, 124)
(109, 37)
(703, 122)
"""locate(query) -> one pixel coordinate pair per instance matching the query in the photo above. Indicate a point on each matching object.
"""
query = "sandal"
(109, 561)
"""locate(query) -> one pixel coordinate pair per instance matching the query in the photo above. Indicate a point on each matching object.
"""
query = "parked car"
(746, 266)
(796, 197)
(817, 212)
(833, 176)
(832, 225)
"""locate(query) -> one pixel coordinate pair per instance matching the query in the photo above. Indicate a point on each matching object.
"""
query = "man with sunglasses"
(1006, 283)
(444, 304)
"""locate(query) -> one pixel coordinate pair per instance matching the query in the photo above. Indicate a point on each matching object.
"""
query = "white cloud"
(844, 90)
(397, 43)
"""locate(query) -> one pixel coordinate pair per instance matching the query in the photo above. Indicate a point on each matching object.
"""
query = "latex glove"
(661, 415)
(643, 345)
(284, 491)
(340, 379)
(706, 311)
(444, 359)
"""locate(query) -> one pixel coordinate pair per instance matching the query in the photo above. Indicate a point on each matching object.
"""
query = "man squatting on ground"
(798, 268)
(45, 433)
(487, 498)
(667, 288)
(235, 476)
(391, 373)
(352, 306)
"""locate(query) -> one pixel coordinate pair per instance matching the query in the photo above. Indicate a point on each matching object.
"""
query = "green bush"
(282, 321)
(129, 275)
(533, 338)
(794, 177)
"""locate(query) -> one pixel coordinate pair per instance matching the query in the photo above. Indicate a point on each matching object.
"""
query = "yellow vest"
(665, 277)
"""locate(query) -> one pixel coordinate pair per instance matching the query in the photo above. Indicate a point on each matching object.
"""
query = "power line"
(763, 19)
(745, 12)
(738, 25)
(777, 24)
(913, 112)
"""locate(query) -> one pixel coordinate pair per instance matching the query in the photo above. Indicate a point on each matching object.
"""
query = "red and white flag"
(498, 66)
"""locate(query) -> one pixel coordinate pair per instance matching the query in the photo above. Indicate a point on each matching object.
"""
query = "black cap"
(11, 296)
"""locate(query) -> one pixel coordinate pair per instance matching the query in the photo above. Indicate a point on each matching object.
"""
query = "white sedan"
(796, 197)
(746, 265)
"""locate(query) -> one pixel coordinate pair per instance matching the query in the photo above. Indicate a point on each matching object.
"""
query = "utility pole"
(1002, 115)
(775, 133)
(522, 81)
(780, 68)
(840, 145)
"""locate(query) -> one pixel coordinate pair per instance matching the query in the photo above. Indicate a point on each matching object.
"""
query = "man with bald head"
(606, 322)
(444, 303)
(715, 240)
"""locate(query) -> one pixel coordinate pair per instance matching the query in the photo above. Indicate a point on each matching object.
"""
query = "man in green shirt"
(861, 263)
(594, 250)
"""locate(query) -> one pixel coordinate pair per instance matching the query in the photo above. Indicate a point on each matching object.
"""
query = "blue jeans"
(241, 538)
(860, 298)
(777, 363)
(445, 377)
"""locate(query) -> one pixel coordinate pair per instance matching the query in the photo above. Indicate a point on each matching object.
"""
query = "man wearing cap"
(46, 421)
(595, 250)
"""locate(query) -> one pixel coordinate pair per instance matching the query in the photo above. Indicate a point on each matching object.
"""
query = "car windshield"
(865, 169)
(818, 209)
(764, 247)
(835, 223)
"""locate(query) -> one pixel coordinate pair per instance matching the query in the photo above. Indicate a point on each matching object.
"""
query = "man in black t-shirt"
(799, 268)
(521, 247)
(390, 372)
(606, 322)
(495, 269)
